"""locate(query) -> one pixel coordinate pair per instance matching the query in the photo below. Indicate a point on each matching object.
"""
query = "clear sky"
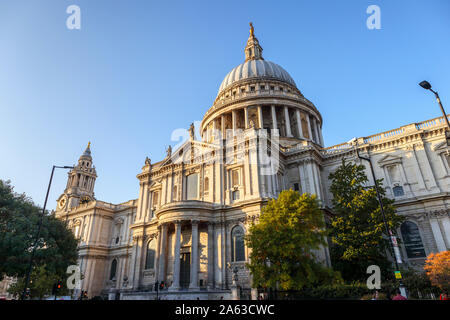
(137, 70)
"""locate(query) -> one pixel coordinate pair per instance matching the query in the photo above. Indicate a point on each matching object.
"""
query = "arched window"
(150, 258)
(412, 240)
(112, 275)
(237, 244)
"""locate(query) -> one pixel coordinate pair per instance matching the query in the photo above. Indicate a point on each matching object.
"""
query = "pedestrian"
(399, 296)
(375, 295)
(444, 296)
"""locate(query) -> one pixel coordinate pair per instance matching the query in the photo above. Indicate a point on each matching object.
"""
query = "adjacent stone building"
(260, 136)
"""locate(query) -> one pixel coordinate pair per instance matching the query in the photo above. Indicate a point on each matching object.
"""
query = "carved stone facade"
(261, 136)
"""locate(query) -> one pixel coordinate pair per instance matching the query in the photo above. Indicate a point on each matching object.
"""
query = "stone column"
(287, 122)
(140, 199)
(260, 118)
(299, 124)
(138, 263)
(222, 126)
(119, 275)
(158, 253)
(234, 120)
(438, 238)
(216, 135)
(302, 178)
(319, 133)
(246, 118)
(309, 127)
(210, 283)
(162, 254)
(311, 178)
(316, 136)
(145, 202)
(217, 258)
(446, 226)
(176, 258)
(194, 260)
(317, 182)
(274, 118)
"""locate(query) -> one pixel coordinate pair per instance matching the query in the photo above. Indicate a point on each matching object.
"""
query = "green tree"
(357, 229)
(19, 220)
(282, 244)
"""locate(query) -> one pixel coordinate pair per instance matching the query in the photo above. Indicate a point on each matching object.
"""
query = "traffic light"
(161, 285)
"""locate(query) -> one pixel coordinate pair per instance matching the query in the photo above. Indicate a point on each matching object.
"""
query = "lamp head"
(425, 84)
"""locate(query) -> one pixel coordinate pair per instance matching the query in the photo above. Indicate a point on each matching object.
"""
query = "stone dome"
(257, 68)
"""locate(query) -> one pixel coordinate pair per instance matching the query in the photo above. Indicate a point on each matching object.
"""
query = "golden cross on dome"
(89, 144)
(252, 30)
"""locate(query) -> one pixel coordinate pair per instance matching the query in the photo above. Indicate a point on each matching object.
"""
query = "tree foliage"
(357, 229)
(19, 220)
(282, 244)
(437, 267)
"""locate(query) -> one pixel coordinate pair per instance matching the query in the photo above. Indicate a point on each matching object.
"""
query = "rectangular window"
(296, 187)
(192, 186)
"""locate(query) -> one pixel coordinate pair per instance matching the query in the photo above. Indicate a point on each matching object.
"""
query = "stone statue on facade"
(169, 151)
(252, 30)
(147, 161)
(192, 131)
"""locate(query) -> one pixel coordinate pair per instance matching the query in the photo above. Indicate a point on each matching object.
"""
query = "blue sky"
(137, 70)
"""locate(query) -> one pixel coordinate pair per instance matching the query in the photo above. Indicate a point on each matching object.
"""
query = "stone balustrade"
(388, 135)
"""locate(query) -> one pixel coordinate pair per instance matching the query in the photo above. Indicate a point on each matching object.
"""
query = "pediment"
(389, 159)
(188, 149)
(441, 147)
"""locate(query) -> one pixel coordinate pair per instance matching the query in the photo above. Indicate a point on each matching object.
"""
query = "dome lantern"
(253, 50)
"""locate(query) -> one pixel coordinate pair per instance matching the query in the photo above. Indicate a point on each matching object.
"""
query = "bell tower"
(80, 183)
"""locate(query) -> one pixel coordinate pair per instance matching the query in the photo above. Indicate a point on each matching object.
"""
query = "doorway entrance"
(185, 269)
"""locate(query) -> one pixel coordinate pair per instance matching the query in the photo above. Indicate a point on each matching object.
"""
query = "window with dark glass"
(398, 191)
(237, 244)
(150, 257)
(296, 188)
(236, 195)
(412, 240)
(112, 275)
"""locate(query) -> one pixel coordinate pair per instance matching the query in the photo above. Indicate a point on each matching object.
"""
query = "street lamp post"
(427, 86)
(30, 266)
(395, 255)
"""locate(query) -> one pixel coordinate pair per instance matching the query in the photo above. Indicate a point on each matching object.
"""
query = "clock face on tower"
(85, 199)
(62, 203)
